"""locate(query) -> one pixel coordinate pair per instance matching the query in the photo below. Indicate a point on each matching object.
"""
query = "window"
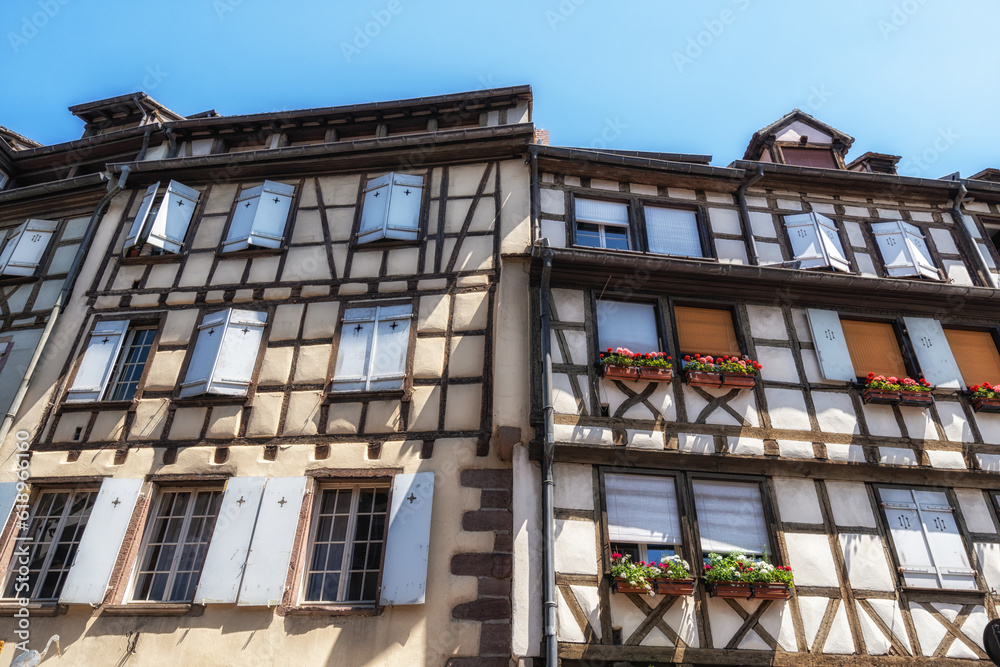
(24, 247)
(259, 217)
(929, 549)
(113, 362)
(730, 517)
(175, 544)
(629, 325)
(976, 354)
(810, 157)
(815, 242)
(225, 353)
(673, 231)
(904, 250)
(4, 178)
(873, 348)
(345, 551)
(601, 224)
(643, 517)
(391, 208)
(706, 331)
(374, 342)
(53, 534)
(160, 226)
(992, 227)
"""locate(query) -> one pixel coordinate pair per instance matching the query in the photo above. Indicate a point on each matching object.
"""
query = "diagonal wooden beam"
(954, 631)
(883, 628)
(717, 402)
(824, 626)
(581, 618)
(751, 621)
(654, 617)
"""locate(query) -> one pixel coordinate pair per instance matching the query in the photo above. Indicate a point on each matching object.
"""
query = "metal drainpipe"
(741, 196)
(536, 222)
(967, 239)
(171, 141)
(548, 483)
(74, 271)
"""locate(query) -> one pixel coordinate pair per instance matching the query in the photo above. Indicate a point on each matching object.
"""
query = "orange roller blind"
(874, 348)
(705, 331)
(976, 354)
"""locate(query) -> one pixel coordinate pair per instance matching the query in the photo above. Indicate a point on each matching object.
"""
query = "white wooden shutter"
(136, 231)
(919, 251)
(392, 339)
(24, 250)
(904, 250)
(912, 552)
(8, 498)
(642, 509)
(628, 325)
(831, 243)
(241, 225)
(983, 247)
(946, 545)
(934, 353)
(815, 241)
(730, 517)
(88, 577)
(403, 218)
(98, 361)
(227, 552)
(354, 350)
(271, 547)
(830, 344)
(170, 226)
(225, 353)
(206, 353)
(407, 549)
(375, 209)
(673, 231)
(271, 215)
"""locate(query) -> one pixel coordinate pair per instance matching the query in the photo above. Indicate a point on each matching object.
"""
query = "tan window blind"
(874, 348)
(705, 331)
(976, 354)
(810, 157)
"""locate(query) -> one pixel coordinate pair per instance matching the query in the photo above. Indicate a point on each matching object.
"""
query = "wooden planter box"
(612, 372)
(674, 586)
(986, 404)
(735, 380)
(619, 585)
(748, 591)
(656, 374)
(918, 399)
(881, 397)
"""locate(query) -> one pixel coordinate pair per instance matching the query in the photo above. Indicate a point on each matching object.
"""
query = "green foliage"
(738, 566)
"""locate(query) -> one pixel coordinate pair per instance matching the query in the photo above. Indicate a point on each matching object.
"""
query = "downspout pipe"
(536, 222)
(967, 238)
(548, 482)
(171, 141)
(741, 197)
(64, 295)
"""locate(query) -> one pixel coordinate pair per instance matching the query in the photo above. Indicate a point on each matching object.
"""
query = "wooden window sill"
(252, 252)
(360, 395)
(153, 609)
(209, 399)
(165, 258)
(332, 610)
(385, 244)
(39, 609)
(97, 405)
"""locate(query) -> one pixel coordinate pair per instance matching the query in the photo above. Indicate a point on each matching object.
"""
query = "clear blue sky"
(917, 78)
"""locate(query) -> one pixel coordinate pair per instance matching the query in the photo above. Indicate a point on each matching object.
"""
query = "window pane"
(628, 325)
(131, 362)
(616, 238)
(976, 355)
(672, 231)
(705, 331)
(588, 235)
(874, 348)
(730, 517)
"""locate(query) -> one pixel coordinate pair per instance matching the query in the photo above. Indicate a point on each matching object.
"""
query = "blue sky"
(916, 78)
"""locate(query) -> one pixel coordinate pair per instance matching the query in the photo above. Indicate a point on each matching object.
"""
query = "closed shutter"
(98, 361)
(271, 215)
(874, 348)
(88, 577)
(947, 548)
(404, 207)
(628, 325)
(937, 363)
(730, 517)
(407, 550)
(225, 353)
(227, 552)
(136, 233)
(912, 551)
(392, 340)
(705, 331)
(23, 252)
(672, 231)
(355, 348)
(904, 250)
(375, 209)
(642, 509)
(170, 225)
(271, 546)
(830, 345)
(976, 355)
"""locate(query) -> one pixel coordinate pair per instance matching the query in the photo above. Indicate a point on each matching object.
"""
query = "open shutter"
(9, 243)
(830, 344)
(271, 215)
(933, 352)
(271, 547)
(3, 180)
(375, 209)
(98, 361)
(804, 237)
(830, 239)
(915, 562)
(730, 517)
(946, 545)
(354, 350)
(24, 253)
(407, 549)
(983, 247)
(206, 353)
(404, 207)
(238, 355)
(135, 232)
(8, 497)
(88, 577)
(904, 250)
(919, 251)
(170, 225)
(642, 509)
(241, 226)
(227, 552)
(392, 338)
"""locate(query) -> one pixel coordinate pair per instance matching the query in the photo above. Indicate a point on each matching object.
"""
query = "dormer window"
(821, 158)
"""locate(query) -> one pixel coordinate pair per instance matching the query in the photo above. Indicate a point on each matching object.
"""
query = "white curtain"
(642, 509)
(604, 212)
(730, 516)
(673, 231)
(628, 325)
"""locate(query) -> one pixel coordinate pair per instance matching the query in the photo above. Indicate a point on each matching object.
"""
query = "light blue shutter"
(98, 361)
(239, 352)
(919, 251)
(88, 577)
(241, 226)
(271, 215)
(375, 209)
(934, 353)
(3, 180)
(354, 350)
(135, 232)
(831, 243)
(227, 552)
(404, 207)
(8, 498)
(392, 339)
(804, 237)
(22, 255)
(206, 353)
(912, 551)
(830, 345)
(9, 244)
(673, 231)
(904, 250)
(407, 548)
(169, 227)
(271, 546)
(947, 548)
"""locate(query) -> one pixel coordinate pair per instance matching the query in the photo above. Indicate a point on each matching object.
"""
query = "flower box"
(650, 374)
(750, 591)
(674, 586)
(620, 585)
(613, 372)
(705, 379)
(986, 404)
(918, 399)
(881, 396)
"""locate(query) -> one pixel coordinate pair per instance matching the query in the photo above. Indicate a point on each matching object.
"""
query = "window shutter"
(672, 231)
(730, 517)
(241, 225)
(392, 339)
(831, 346)
(933, 352)
(88, 577)
(803, 233)
(271, 215)
(904, 250)
(976, 354)
(271, 547)
(8, 498)
(915, 562)
(628, 325)
(404, 574)
(238, 356)
(3, 180)
(831, 243)
(170, 225)
(946, 545)
(404, 207)
(227, 552)
(206, 353)
(98, 361)
(135, 232)
(355, 348)
(375, 209)
(8, 237)
(25, 249)
(919, 251)
(642, 509)
(705, 331)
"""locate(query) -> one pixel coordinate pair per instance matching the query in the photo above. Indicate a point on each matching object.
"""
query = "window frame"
(655, 302)
(407, 380)
(633, 238)
(767, 510)
(683, 512)
(141, 321)
(701, 225)
(741, 339)
(902, 340)
(423, 220)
